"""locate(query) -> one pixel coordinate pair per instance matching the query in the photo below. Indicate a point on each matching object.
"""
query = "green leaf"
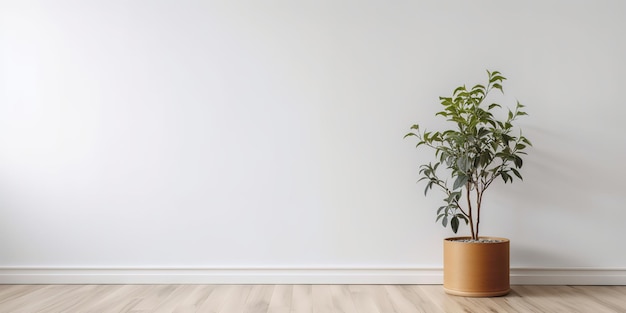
(460, 181)
(494, 105)
(506, 138)
(428, 187)
(439, 217)
(444, 222)
(482, 132)
(461, 164)
(516, 172)
(455, 224)
(459, 89)
(496, 78)
(506, 177)
(453, 196)
(463, 217)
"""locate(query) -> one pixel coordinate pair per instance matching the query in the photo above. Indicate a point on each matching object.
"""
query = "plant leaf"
(455, 224)
(506, 177)
(463, 217)
(439, 217)
(460, 181)
(428, 186)
(516, 172)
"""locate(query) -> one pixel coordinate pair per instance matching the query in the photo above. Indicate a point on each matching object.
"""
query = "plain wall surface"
(269, 133)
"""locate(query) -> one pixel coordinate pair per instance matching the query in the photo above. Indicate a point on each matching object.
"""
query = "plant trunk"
(469, 209)
(479, 198)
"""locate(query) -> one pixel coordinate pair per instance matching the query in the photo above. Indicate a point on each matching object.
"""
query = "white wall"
(256, 134)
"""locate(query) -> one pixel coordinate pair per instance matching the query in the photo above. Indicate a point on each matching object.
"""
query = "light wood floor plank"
(419, 297)
(365, 300)
(21, 301)
(611, 297)
(215, 301)
(281, 299)
(197, 294)
(302, 299)
(179, 297)
(258, 300)
(513, 302)
(54, 298)
(11, 292)
(236, 300)
(379, 296)
(401, 301)
(565, 298)
(77, 299)
(343, 301)
(152, 296)
(120, 298)
(322, 299)
(448, 303)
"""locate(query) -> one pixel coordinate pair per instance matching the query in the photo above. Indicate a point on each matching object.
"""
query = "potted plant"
(480, 146)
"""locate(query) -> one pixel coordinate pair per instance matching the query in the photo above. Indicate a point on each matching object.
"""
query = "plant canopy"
(478, 148)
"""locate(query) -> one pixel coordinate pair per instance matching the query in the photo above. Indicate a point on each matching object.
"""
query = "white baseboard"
(519, 276)
(219, 276)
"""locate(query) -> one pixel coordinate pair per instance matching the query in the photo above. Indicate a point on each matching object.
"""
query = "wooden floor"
(302, 298)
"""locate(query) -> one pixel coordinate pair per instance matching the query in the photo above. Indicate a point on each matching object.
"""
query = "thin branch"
(458, 205)
(469, 205)
(479, 196)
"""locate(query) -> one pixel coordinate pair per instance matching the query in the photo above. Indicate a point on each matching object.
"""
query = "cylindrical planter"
(474, 269)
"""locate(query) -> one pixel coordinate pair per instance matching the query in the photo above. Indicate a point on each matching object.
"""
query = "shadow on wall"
(565, 171)
(570, 198)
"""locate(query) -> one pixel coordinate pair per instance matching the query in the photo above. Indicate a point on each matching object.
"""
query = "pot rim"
(453, 240)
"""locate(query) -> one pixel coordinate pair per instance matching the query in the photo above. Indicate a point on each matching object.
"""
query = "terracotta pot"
(476, 269)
